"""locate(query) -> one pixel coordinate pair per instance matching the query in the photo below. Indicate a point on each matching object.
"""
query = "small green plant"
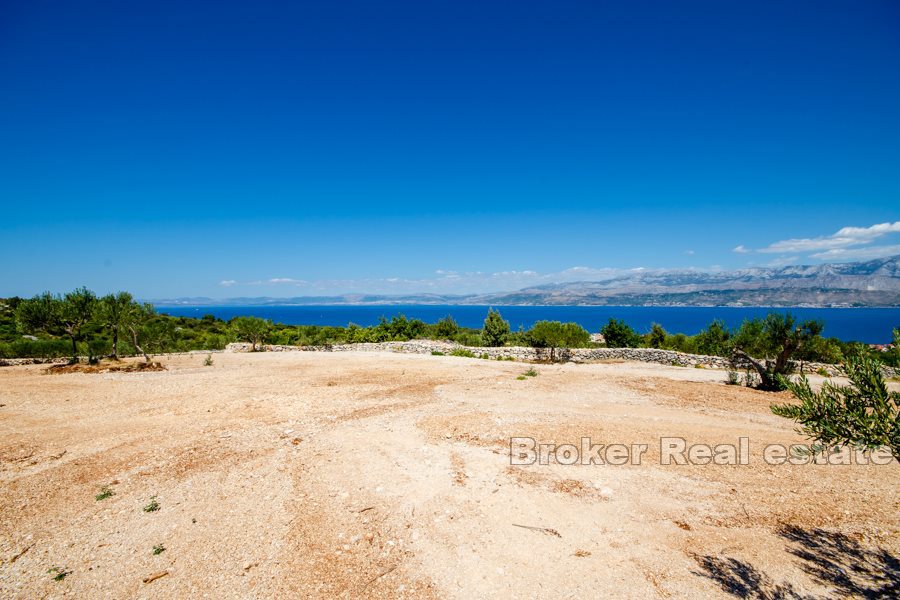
(208, 361)
(437, 353)
(158, 549)
(484, 356)
(59, 573)
(462, 352)
(530, 373)
(733, 378)
(105, 493)
(521, 378)
(699, 366)
(822, 371)
(152, 506)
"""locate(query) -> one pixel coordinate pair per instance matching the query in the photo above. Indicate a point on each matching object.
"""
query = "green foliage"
(41, 314)
(152, 506)
(158, 549)
(714, 340)
(111, 312)
(657, 336)
(59, 573)
(118, 325)
(553, 334)
(617, 334)
(733, 378)
(864, 415)
(681, 343)
(495, 330)
(530, 373)
(462, 352)
(105, 493)
(446, 328)
(892, 356)
(778, 338)
(41, 348)
(251, 329)
(437, 353)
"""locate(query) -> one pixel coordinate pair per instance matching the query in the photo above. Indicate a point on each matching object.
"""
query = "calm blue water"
(870, 325)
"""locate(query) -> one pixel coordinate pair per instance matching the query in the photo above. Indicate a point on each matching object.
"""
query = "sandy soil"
(380, 475)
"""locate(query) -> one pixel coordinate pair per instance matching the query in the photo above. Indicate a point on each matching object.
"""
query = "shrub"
(446, 328)
(462, 352)
(713, 341)
(495, 330)
(618, 334)
(657, 336)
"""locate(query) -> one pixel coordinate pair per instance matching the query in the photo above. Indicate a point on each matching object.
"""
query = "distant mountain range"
(869, 283)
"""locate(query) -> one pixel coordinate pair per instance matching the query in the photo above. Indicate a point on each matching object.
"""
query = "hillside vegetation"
(81, 324)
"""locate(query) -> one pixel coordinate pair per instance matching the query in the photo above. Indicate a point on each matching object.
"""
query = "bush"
(495, 330)
(657, 336)
(462, 352)
(618, 334)
(714, 340)
(446, 328)
(25, 348)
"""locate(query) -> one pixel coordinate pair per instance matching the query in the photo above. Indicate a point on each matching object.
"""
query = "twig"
(20, 554)
(379, 576)
(362, 510)
(155, 576)
(546, 530)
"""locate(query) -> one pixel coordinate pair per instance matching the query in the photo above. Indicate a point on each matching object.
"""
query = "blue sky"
(232, 148)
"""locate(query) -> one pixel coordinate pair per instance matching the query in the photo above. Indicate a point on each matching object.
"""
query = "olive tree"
(251, 329)
(111, 311)
(135, 318)
(776, 338)
(864, 415)
(554, 335)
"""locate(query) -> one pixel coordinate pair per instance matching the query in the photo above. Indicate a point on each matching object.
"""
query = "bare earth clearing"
(387, 475)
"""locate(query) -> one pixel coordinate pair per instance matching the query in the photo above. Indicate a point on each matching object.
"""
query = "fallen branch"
(20, 554)
(546, 530)
(379, 576)
(155, 576)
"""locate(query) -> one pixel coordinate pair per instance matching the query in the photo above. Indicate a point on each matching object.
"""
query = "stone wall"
(15, 362)
(575, 355)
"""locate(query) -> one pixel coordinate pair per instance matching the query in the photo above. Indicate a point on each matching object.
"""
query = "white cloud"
(843, 238)
(444, 281)
(858, 253)
(741, 249)
(689, 252)
(782, 261)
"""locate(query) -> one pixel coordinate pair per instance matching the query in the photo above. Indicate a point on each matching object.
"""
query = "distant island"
(873, 283)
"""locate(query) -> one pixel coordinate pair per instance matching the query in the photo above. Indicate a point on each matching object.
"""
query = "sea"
(868, 325)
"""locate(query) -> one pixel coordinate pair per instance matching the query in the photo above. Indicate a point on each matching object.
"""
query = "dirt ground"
(386, 475)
